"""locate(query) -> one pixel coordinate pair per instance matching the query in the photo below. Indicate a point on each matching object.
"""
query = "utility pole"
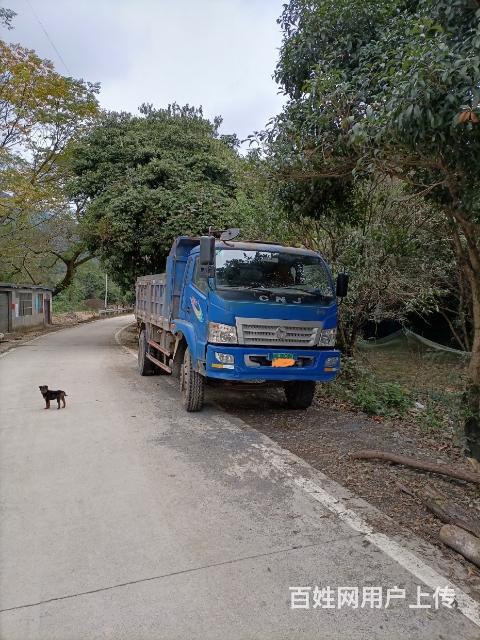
(106, 290)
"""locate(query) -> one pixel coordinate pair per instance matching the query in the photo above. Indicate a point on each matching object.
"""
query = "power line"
(48, 38)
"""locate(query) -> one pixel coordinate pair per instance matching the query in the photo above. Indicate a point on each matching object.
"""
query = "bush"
(381, 398)
(87, 290)
(360, 387)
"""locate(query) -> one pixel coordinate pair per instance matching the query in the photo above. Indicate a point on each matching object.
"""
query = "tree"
(390, 87)
(255, 210)
(6, 17)
(41, 112)
(397, 268)
(148, 179)
(87, 290)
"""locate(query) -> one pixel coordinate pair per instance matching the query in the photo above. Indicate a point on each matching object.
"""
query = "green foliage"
(396, 268)
(360, 387)
(379, 86)
(383, 89)
(40, 113)
(150, 178)
(442, 408)
(380, 398)
(384, 82)
(254, 210)
(432, 419)
(88, 283)
(387, 87)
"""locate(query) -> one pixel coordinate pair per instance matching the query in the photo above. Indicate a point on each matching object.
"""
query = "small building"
(23, 306)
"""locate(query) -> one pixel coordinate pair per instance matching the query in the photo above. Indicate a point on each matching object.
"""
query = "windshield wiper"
(296, 288)
(276, 290)
(315, 292)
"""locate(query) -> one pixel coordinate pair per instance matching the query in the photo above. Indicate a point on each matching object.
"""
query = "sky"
(220, 54)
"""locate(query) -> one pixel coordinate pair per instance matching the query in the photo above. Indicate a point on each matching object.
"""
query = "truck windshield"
(274, 272)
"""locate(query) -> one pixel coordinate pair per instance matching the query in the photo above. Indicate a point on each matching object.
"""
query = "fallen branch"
(444, 509)
(461, 541)
(444, 469)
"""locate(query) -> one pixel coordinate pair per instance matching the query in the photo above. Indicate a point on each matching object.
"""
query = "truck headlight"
(223, 333)
(327, 337)
(226, 358)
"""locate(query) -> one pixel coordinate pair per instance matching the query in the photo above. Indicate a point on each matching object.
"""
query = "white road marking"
(405, 558)
(119, 342)
(408, 560)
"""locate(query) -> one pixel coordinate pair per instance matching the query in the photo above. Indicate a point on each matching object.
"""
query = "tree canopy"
(41, 112)
(149, 178)
(390, 85)
(386, 87)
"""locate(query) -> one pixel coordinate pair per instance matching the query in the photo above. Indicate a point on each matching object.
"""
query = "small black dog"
(52, 395)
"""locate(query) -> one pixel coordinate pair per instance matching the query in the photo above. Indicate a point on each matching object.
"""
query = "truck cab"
(243, 312)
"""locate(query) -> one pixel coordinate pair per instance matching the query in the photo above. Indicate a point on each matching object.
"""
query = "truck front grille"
(293, 333)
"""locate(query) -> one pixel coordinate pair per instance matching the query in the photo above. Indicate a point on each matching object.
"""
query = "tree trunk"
(466, 238)
(445, 510)
(472, 394)
(444, 469)
(67, 278)
(461, 541)
(72, 262)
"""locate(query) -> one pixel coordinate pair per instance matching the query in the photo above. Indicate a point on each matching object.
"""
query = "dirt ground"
(327, 433)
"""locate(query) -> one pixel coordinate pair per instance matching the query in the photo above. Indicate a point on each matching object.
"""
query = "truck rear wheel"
(145, 366)
(299, 394)
(192, 384)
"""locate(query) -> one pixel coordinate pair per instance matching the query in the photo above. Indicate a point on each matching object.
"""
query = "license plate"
(283, 360)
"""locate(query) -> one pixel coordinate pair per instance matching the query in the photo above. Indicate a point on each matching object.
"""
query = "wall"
(37, 316)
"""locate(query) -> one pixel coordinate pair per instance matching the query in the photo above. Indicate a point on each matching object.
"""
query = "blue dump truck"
(228, 312)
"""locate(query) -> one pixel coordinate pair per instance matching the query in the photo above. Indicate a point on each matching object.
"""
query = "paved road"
(124, 517)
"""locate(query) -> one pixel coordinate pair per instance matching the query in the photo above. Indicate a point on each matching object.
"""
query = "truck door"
(196, 303)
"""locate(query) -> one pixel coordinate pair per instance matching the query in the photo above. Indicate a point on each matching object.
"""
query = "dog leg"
(63, 400)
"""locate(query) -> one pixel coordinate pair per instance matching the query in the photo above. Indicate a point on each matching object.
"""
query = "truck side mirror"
(342, 285)
(207, 257)
(207, 251)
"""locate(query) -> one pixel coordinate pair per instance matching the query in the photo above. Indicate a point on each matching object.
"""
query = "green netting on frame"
(406, 340)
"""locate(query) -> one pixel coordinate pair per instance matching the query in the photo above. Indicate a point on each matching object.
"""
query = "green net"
(405, 340)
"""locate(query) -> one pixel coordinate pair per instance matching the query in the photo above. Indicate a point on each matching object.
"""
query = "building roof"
(14, 285)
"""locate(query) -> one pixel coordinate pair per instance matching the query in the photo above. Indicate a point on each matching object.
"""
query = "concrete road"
(123, 517)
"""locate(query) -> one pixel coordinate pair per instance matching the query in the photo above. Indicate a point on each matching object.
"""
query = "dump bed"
(158, 296)
(150, 299)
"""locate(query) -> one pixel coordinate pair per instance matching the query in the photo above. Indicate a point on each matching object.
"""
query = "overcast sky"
(216, 53)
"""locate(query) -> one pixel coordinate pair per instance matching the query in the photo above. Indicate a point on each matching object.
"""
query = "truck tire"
(192, 384)
(145, 366)
(299, 394)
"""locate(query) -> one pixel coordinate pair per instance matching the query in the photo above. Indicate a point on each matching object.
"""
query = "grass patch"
(401, 384)
(360, 386)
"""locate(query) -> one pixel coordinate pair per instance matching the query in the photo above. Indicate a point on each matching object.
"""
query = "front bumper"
(252, 363)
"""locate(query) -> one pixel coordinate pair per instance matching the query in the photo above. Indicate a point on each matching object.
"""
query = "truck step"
(158, 363)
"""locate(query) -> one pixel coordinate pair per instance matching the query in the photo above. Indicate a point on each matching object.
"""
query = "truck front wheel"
(145, 366)
(299, 394)
(192, 384)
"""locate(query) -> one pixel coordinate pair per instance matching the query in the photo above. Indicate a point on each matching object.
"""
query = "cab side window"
(200, 283)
